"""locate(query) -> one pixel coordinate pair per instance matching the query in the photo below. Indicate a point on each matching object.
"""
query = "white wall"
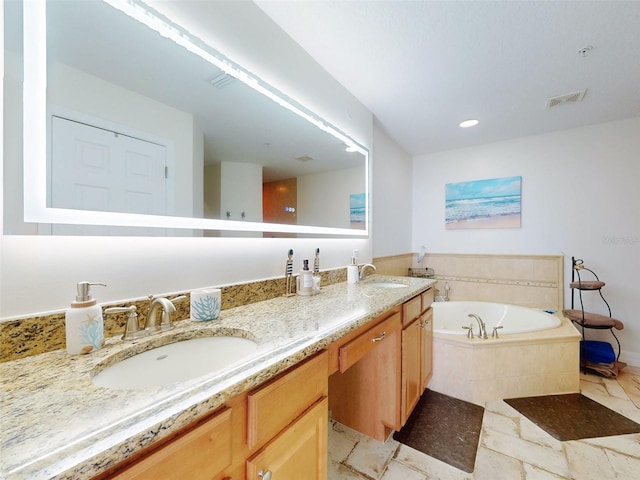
(580, 197)
(334, 188)
(391, 204)
(39, 273)
(241, 191)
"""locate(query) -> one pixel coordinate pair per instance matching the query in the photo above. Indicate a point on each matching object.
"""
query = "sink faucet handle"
(132, 327)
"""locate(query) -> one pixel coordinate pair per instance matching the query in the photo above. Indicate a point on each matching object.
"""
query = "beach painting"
(358, 210)
(492, 203)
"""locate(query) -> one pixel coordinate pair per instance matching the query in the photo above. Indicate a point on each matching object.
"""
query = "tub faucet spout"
(482, 328)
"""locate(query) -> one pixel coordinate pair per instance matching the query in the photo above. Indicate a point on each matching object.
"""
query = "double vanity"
(361, 351)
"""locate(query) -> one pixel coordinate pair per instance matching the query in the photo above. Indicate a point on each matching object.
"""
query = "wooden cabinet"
(364, 392)
(287, 420)
(277, 403)
(300, 451)
(417, 348)
(280, 426)
(371, 379)
(203, 452)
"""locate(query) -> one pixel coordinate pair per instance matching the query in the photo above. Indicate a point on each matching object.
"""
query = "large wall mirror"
(131, 125)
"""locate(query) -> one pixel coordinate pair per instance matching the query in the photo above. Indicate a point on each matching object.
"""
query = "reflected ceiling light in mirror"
(34, 117)
(469, 123)
(351, 149)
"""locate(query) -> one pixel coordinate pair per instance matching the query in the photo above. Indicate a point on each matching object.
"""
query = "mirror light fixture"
(34, 120)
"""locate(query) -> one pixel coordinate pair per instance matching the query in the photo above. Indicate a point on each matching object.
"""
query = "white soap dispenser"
(305, 280)
(83, 321)
(352, 268)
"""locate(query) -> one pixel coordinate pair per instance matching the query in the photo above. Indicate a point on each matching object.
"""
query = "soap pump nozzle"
(84, 291)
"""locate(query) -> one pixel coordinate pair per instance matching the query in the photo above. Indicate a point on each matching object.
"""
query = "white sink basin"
(176, 362)
(387, 285)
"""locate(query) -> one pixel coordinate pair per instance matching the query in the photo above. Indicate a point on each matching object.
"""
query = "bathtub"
(537, 353)
(450, 317)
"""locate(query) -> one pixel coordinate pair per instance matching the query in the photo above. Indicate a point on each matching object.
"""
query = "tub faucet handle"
(469, 330)
(494, 334)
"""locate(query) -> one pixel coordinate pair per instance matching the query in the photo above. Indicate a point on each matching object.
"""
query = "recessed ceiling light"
(351, 149)
(469, 123)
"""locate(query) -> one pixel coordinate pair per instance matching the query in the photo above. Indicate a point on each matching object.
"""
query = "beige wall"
(534, 281)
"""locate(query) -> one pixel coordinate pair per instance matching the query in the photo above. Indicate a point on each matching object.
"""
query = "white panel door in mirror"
(101, 170)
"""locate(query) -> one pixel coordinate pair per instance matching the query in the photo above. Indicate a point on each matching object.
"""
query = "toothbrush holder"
(205, 304)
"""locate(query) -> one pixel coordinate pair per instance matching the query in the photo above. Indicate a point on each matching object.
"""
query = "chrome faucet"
(132, 329)
(481, 326)
(362, 269)
(167, 307)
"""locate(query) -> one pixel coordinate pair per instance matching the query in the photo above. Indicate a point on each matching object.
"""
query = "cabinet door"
(411, 367)
(300, 451)
(426, 368)
(202, 453)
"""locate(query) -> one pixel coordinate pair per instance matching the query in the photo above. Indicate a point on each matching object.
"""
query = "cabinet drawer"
(411, 309)
(427, 299)
(357, 348)
(274, 405)
(201, 453)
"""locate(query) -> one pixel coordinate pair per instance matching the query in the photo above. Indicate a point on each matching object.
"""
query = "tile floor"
(511, 447)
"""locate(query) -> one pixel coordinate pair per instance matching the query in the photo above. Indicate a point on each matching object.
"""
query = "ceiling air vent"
(304, 158)
(221, 80)
(573, 97)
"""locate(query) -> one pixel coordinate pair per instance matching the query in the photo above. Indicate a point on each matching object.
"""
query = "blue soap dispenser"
(83, 322)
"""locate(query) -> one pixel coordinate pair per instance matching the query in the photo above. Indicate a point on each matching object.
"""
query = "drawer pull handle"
(265, 475)
(380, 338)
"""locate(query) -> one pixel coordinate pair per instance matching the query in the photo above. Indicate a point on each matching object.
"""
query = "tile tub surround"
(57, 424)
(517, 365)
(534, 281)
(32, 335)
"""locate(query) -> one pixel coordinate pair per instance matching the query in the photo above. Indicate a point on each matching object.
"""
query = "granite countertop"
(55, 423)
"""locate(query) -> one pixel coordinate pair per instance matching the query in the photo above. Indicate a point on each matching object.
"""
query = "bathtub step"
(593, 320)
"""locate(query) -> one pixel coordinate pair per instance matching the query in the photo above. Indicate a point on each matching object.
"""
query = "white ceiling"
(421, 67)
